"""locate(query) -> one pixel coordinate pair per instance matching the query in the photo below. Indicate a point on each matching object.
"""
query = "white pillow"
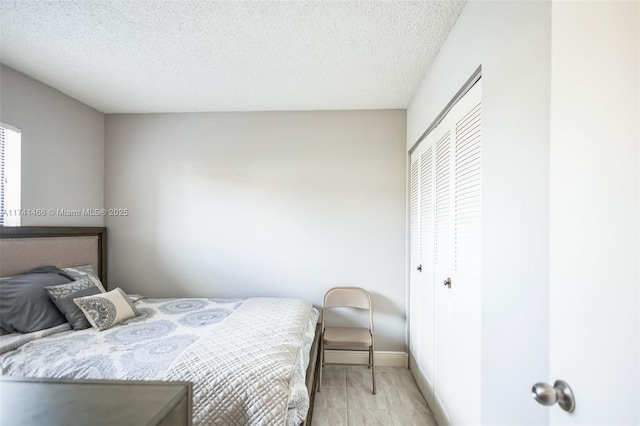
(106, 309)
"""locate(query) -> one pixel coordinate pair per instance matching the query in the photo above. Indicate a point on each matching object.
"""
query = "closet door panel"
(421, 254)
(427, 296)
(415, 329)
(426, 290)
(467, 156)
(443, 268)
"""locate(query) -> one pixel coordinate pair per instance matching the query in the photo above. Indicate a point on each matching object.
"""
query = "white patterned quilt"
(246, 358)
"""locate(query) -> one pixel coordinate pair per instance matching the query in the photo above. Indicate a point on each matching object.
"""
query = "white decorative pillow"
(79, 272)
(106, 309)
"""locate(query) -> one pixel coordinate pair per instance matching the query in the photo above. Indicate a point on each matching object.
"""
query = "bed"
(250, 360)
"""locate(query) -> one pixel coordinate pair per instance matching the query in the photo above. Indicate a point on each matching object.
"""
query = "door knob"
(560, 393)
(419, 268)
(447, 282)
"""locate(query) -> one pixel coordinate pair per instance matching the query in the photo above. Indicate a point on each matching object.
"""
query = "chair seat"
(347, 336)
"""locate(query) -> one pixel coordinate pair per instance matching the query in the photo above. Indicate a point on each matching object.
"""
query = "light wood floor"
(346, 398)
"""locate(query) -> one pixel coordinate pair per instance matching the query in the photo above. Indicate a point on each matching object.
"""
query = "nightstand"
(94, 402)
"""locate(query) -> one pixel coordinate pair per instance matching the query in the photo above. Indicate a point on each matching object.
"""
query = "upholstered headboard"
(27, 247)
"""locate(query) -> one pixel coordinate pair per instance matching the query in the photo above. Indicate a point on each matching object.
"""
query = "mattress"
(246, 358)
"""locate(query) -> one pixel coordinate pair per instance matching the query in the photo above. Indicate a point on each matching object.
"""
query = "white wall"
(62, 149)
(511, 40)
(595, 210)
(248, 204)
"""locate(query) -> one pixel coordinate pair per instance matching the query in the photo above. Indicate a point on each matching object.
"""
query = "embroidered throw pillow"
(85, 271)
(107, 309)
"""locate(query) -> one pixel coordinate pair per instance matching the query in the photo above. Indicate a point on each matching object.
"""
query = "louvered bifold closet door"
(458, 155)
(444, 306)
(445, 243)
(421, 291)
(416, 340)
(427, 239)
(467, 157)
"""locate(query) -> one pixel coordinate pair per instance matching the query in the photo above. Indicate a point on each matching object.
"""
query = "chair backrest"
(348, 297)
(352, 297)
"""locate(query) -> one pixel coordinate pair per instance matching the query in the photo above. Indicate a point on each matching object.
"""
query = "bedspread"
(252, 358)
(246, 358)
(141, 349)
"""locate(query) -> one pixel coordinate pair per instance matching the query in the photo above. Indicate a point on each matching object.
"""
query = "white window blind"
(2, 180)
(10, 159)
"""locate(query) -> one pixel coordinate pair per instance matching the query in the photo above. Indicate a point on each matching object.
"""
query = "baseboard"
(382, 358)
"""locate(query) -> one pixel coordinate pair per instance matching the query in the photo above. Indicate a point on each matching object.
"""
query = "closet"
(445, 261)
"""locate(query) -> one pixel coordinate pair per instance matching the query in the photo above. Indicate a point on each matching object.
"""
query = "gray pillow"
(25, 306)
(63, 295)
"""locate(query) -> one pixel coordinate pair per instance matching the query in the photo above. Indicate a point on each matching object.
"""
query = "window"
(10, 159)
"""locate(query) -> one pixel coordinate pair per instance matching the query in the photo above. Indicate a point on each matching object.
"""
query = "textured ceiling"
(179, 56)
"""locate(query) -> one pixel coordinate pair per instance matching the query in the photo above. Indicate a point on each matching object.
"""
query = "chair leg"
(320, 366)
(373, 369)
